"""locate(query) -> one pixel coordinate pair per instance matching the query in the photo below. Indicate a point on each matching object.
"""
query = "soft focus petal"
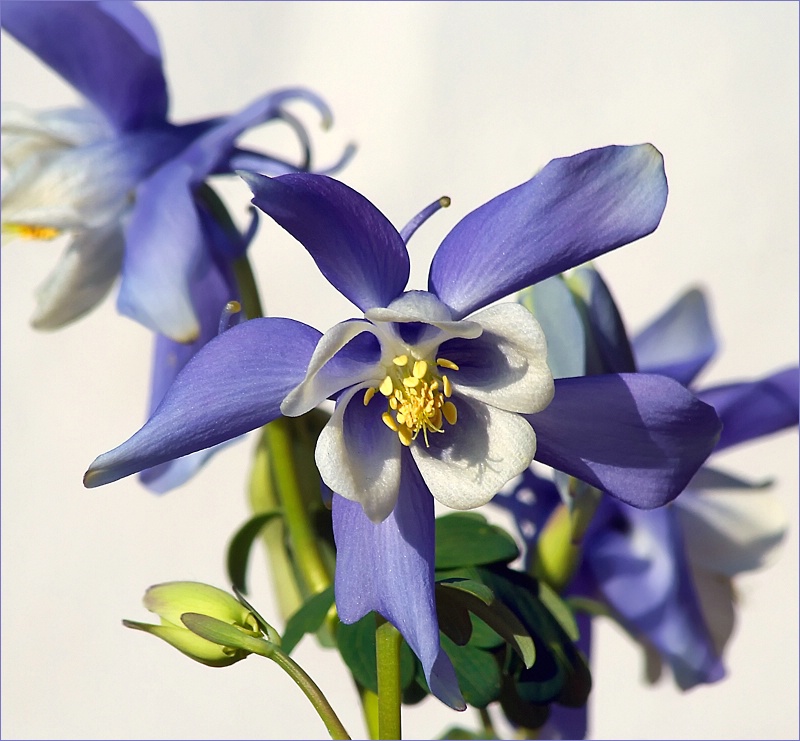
(81, 279)
(165, 251)
(210, 295)
(108, 51)
(754, 409)
(678, 343)
(233, 385)
(85, 187)
(28, 134)
(639, 437)
(531, 502)
(507, 365)
(552, 304)
(643, 573)
(388, 567)
(734, 531)
(358, 457)
(473, 459)
(575, 209)
(352, 242)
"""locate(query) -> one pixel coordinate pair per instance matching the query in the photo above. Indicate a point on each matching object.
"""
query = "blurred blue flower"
(664, 574)
(436, 392)
(117, 175)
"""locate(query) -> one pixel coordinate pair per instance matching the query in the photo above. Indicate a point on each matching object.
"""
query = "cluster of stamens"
(417, 397)
(30, 231)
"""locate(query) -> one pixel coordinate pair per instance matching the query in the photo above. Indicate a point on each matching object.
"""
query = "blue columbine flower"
(666, 574)
(117, 175)
(438, 392)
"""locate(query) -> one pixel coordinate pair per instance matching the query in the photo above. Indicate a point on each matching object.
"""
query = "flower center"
(30, 231)
(417, 397)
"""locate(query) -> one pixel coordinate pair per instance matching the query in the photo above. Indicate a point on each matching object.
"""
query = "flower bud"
(173, 599)
(557, 556)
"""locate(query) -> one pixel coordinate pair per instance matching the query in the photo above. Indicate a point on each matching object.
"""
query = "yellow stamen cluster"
(30, 231)
(418, 397)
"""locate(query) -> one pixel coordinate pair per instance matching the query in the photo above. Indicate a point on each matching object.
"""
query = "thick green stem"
(387, 642)
(305, 545)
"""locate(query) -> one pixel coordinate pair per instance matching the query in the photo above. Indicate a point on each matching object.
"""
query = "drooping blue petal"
(754, 409)
(388, 567)
(678, 343)
(108, 51)
(165, 251)
(643, 573)
(639, 437)
(231, 386)
(573, 210)
(352, 242)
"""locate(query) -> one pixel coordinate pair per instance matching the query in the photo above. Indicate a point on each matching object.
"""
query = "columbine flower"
(117, 175)
(665, 574)
(171, 600)
(437, 391)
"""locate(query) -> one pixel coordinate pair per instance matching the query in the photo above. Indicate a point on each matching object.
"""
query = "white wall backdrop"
(465, 99)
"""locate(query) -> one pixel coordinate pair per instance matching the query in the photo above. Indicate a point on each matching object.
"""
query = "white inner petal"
(467, 465)
(316, 386)
(367, 472)
(520, 380)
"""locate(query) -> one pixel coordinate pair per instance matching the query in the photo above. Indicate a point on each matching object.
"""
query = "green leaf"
(482, 635)
(240, 546)
(307, 619)
(467, 539)
(463, 594)
(457, 732)
(559, 610)
(477, 671)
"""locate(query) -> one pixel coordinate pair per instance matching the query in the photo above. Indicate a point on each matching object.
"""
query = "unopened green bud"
(172, 600)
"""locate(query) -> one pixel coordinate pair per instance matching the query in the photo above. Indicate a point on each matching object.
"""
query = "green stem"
(387, 643)
(312, 692)
(303, 538)
(245, 279)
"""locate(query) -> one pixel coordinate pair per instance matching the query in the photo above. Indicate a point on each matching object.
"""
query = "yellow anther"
(448, 389)
(446, 363)
(420, 369)
(410, 382)
(436, 419)
(450, 412)
(387, 386)
(31, 231)
(393, 402)
(401, 418)
(368, 394)
(389, 422)
(405, 436)
(400, 360)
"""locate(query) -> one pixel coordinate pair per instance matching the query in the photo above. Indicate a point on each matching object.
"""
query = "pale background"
(463, 99)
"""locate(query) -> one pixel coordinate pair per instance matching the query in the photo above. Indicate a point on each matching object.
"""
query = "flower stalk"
(387, 643)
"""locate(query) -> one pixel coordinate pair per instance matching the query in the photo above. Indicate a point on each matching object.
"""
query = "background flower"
(417, 85)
